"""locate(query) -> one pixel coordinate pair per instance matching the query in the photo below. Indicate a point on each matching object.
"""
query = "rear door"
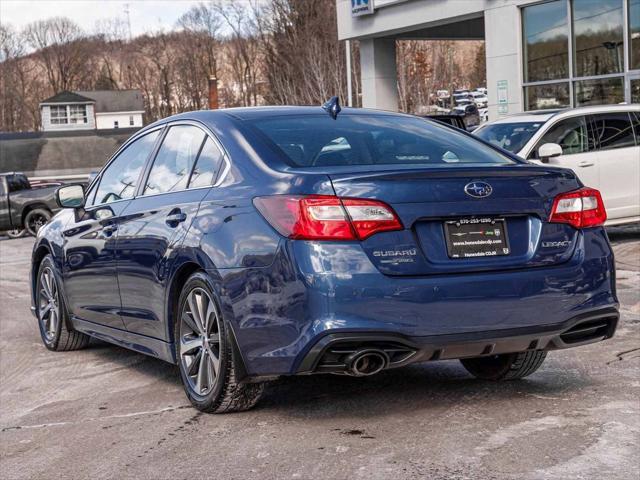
(154, 224)
(618, 158)
(575, 136)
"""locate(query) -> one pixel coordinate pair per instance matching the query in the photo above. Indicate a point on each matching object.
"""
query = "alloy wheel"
(36, 222)
(48, 304)
(200, 342)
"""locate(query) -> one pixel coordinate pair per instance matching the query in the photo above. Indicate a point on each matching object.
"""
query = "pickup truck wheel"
(509, 366)
(205, 356)
(36, 219)
(52, 312)
(16, 233)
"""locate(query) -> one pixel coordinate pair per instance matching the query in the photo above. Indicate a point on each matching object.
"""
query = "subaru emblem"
(478, 189)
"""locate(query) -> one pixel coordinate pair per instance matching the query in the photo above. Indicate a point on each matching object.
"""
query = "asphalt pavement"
(106, 412)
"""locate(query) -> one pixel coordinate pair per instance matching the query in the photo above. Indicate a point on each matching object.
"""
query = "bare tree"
(60, 48)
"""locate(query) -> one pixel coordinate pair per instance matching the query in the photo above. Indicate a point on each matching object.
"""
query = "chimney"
(213, 93)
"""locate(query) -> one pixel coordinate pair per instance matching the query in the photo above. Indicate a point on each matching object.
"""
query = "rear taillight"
(325, 217)
(580, 208)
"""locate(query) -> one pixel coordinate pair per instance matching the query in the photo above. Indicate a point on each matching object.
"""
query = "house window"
(77, 114)
(115, 124)
(131, 120)
(59, 115)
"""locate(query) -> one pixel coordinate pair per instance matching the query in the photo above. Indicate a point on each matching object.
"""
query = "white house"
(88, 110)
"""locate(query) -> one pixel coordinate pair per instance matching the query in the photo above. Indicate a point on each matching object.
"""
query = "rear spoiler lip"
(483, 172)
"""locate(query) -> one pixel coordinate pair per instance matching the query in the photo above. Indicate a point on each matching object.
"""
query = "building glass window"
(553, 95)
(634, 37)
(598, 43)
(546, 39)
(131, 120)
(635, 91)
(77, 114)
(59, 115)
(599, 91)
(115, 124)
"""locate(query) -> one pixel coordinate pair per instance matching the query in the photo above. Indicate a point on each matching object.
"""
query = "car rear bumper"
(331, 352)
(318, 292)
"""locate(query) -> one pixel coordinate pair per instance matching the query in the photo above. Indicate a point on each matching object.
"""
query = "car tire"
(16, 233)
(35, 219)
(509, 366)
(52, 314)
(206, 359)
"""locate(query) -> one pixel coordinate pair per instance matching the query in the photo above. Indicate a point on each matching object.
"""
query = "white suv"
(601, 144)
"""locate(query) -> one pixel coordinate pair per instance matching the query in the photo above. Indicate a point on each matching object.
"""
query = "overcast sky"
(146, 15)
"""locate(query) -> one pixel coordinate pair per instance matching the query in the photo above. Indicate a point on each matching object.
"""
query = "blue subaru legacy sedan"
(251, 243)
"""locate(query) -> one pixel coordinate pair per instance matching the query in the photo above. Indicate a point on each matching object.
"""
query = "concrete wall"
(106, 120)
(59, 153)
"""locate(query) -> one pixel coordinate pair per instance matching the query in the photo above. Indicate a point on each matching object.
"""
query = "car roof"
(250, 113)
(545, 115)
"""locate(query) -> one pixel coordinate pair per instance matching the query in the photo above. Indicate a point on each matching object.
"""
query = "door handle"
(585, 163)
(109, 229)
(173, 219)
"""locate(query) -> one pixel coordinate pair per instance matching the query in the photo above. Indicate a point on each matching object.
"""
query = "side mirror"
(70, 196)
(549, 150)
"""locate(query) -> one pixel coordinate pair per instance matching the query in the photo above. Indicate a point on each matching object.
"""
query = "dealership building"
(539, 54)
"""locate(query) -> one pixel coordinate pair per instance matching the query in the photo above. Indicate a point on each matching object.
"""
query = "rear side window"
(175, 159)
(120, 179)
(207, 166)
(613, 130)
(318, 141)
(17, 183)
(571, 134)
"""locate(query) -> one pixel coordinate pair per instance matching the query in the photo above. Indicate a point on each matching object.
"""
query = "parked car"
(470, 114)
(480, 99)
(22, 207)
(600, 144)
(481, 90)
(244, 245)
(450, 120)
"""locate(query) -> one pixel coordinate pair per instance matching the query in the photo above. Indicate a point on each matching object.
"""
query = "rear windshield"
(319, 141)
(510, 136)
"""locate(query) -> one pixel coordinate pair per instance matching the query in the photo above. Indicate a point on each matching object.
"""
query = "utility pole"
(347, 46)
(126, 13)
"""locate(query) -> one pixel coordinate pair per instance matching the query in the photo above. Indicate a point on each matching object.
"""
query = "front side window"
(59, 115)
(207, 166)
(120, 179)
(175, 159)
(546, 47)
(597, 28)
(571, 134)
(613, 130)
(319, 141)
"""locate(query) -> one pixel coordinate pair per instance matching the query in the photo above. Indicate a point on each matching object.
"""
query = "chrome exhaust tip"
(364, 363)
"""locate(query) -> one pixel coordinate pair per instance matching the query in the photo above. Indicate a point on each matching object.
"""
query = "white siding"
(107, 120)
(45, 112)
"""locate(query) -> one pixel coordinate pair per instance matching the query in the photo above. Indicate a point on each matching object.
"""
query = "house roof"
(67, 97)
(115, 100)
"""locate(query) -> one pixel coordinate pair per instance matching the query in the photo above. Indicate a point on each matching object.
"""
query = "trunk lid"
(425, 199)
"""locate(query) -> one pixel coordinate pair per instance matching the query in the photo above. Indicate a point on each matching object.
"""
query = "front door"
(575, 136)
(89, 269)
(155, 223)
